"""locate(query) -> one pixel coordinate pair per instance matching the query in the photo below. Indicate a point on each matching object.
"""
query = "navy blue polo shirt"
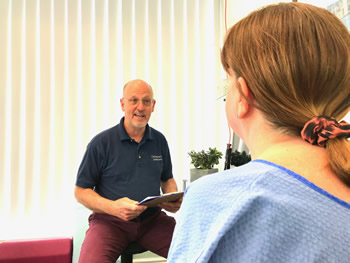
(116, 166)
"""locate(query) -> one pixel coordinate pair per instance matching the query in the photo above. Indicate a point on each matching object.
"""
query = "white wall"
(236, 10)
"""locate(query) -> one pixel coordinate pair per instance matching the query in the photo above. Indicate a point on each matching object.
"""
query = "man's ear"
(243, 104)
(122, 104)
(153, 104)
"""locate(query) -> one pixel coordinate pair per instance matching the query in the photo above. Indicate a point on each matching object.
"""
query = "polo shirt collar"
(125, 136)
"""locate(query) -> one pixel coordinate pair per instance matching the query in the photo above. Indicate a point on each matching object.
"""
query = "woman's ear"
(243, 104)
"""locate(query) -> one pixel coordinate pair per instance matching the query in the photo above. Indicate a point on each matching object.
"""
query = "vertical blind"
(62, 68)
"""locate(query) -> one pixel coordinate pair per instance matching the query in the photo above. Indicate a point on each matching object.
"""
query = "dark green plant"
(205, 159)
(240, 158)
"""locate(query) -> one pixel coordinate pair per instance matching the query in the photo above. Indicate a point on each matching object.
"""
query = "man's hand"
(127, 209)
(169, 186)
(124, 208)
(172, 207)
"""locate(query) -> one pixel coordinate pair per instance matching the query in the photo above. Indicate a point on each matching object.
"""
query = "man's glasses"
(145, 102)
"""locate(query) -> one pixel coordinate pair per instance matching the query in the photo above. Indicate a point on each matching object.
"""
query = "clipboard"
(155, 200)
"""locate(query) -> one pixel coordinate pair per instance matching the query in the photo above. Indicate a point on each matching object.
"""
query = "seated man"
(121, 166)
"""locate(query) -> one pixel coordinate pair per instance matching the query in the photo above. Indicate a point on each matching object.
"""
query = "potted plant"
(204, 162)
(239, 158)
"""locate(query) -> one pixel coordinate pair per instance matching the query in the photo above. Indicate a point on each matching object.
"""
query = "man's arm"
(124, 208)
(170, 186)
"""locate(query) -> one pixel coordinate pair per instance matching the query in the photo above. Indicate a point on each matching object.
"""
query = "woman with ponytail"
(288, 69)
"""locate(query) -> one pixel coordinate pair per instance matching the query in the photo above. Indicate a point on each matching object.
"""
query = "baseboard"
(149, 260)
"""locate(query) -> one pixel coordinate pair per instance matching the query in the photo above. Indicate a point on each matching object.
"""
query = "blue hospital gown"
(260, 212)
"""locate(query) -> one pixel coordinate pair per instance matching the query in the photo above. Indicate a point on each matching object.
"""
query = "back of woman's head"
(295, 59)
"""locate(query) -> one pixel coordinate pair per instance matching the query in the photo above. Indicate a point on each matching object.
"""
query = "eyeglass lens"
(146, 102)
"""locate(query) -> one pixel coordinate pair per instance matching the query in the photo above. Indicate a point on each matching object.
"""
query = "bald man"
(121, 166)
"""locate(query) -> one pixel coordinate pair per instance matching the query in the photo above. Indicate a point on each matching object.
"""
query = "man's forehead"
(138, 89)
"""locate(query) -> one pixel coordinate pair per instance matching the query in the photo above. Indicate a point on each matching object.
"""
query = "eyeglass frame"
(135, 101)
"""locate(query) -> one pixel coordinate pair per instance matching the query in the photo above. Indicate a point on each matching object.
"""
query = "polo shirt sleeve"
(91, 166)
(167, 169)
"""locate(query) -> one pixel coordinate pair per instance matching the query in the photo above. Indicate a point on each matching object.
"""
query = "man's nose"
(140, 105)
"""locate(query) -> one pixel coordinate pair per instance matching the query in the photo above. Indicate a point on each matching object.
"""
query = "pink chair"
(50, 250)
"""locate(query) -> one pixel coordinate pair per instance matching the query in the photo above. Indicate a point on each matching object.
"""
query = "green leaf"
(205, 159)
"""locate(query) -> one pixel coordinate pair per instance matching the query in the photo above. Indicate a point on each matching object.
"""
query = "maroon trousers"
(108, 236)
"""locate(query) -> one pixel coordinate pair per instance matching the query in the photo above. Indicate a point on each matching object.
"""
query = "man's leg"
(105, 239)
(156, 233)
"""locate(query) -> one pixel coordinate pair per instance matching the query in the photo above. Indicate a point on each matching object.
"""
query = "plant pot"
(197, 173)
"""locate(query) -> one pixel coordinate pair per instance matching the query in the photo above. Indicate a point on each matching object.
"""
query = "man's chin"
(139, 124)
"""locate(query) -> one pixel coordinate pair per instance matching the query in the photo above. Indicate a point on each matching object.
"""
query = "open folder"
(155, 200)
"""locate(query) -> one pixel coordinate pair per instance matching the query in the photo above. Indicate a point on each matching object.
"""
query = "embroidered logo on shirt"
(156, 157)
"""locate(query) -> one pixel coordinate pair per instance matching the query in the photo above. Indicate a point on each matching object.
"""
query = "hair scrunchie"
(319, 129)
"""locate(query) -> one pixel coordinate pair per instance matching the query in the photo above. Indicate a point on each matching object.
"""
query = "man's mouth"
(139, 115)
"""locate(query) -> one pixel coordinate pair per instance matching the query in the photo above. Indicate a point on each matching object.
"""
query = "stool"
(132, 248)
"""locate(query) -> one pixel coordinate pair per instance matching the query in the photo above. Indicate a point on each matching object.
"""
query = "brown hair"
(295, 59)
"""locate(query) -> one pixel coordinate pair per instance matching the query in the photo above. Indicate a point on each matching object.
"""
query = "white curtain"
(62, 68)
